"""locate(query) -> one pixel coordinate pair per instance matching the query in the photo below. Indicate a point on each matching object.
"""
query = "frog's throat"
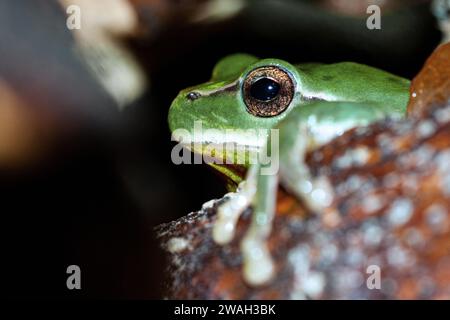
(233, 174)
(233, 171)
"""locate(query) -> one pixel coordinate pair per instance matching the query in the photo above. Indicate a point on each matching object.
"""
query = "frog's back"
(349, 81)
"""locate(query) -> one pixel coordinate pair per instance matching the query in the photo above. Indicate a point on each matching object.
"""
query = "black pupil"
(264, 89)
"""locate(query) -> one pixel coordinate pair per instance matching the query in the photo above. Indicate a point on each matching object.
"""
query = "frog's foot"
(229, 212)
(258, 264)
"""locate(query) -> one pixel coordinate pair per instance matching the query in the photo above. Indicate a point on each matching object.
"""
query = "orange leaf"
(432, 85)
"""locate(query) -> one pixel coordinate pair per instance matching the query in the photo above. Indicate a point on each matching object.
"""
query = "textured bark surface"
(392, 195)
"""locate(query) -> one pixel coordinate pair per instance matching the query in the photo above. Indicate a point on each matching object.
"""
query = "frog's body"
(307, 105)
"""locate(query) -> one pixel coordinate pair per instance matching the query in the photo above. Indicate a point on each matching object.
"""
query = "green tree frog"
(296, 108)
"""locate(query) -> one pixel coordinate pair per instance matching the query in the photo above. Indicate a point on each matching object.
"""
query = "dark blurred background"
(84, 182)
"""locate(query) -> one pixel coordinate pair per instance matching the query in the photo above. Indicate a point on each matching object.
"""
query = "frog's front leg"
(259, 189)
(229, 212)
(257, 261)
(305, 128)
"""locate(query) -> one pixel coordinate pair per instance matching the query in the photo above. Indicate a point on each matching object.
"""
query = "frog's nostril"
(193, 95)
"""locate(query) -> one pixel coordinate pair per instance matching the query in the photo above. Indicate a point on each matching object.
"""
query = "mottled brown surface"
(392, 185)
(432, 85)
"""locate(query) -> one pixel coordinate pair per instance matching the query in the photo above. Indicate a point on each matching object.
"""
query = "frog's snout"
(181, 113)
(193, 96)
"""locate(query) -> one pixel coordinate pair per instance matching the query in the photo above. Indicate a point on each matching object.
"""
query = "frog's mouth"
(229, 153)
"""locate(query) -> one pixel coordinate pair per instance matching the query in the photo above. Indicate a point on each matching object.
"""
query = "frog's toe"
(258, 264)
(227, 216)
(229, 213)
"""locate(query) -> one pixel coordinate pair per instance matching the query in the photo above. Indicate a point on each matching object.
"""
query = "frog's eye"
(268, 91)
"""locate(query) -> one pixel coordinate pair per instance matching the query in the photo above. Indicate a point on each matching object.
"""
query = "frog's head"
(245, 97)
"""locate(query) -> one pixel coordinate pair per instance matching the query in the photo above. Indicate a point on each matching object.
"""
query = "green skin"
(328, 100)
